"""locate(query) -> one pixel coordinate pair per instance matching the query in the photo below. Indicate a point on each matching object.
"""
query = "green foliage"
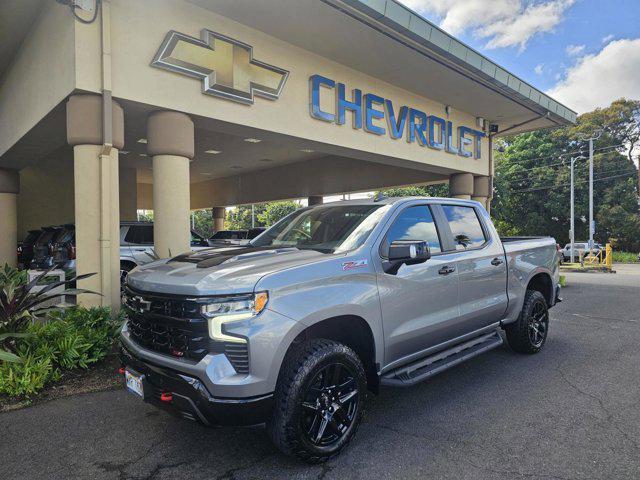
(275, 211)
(26, 378)
(440, 190)
(625, 257)
(240, 217)
(202, 222)
(19, 304)
(69, 339)
(532, 177)
(266, 214)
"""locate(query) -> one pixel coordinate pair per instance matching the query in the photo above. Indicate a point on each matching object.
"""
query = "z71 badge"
(354, 264)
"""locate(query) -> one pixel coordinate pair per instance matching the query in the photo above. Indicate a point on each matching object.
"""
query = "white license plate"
(134, 382)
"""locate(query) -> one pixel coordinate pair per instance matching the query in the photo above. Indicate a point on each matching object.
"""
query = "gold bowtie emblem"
(226, 66)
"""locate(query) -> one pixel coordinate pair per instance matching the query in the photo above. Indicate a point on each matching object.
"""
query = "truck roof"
(393, 200)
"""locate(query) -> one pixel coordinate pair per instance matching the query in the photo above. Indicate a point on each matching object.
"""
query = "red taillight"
(71, 252)
(166, 397)
(121, 371)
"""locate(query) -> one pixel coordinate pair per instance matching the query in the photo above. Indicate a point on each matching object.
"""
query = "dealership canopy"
(175, 105)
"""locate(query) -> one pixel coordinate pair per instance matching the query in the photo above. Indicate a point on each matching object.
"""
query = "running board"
(428, 367)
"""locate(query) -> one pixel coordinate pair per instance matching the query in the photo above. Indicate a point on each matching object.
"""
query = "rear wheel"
(319, 400)
(529, 333)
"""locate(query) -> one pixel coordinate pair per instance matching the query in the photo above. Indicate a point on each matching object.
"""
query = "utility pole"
(592, 228)
(253, 216)
(572, 234)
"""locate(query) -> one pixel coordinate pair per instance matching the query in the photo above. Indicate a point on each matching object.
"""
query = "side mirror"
(406, 252)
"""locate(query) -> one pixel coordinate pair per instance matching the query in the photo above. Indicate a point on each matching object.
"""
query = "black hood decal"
(213, 257)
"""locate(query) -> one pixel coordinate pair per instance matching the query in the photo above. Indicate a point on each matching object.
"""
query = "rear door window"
(415, 223)
(465, 226)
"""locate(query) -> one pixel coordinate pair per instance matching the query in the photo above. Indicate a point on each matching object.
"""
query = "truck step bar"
(424, 368)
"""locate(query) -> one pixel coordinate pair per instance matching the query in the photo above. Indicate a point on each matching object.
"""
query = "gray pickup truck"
(332, 302)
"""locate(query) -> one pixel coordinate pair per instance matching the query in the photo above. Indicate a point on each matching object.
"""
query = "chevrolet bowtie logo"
(226, 66)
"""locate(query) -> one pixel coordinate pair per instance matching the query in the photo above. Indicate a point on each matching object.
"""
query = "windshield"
(325, 228)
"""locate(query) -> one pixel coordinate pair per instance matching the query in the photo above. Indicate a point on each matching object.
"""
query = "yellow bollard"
(609, 257)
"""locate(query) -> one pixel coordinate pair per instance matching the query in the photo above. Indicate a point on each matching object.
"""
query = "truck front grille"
(174, 326)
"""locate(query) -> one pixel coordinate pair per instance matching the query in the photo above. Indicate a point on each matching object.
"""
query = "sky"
(584, 53)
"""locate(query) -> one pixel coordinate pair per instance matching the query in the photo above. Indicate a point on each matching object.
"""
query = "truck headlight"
(233, 310)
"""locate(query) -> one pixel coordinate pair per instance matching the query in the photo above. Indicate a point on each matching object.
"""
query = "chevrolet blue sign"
(427, 130)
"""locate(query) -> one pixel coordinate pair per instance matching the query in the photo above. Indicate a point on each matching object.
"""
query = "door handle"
(496, 261)
(446, 270)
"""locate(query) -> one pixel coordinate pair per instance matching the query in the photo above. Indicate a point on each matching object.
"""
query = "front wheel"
(319, 400)
(528, 334)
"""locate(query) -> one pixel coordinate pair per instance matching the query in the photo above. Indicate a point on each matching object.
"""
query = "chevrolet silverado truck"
(334, 301)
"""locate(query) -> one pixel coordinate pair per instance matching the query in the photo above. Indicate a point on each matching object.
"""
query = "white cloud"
(539, 69)
(608, 38)
(502, 23)
(575, 50)
(598, 79)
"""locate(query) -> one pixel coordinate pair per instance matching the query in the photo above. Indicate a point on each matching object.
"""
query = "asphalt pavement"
(570, 412)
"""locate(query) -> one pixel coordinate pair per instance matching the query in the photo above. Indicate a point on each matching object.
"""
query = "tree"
(440, 190)
(532, 176)
(275, 211)
(202, 222)
(240, 217)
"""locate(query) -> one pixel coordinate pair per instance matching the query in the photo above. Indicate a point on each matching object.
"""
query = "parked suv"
(25, 248)
(579, 247)
(331, 302)
(63, 249)
(136, 245)
(43, 247)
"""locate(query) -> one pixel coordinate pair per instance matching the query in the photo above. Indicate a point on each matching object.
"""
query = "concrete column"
(128, 194)
(170, 141)
(315, 200)
(218, 214)
(481, 189)
(461, 186)
(97, 210)
(9, 189)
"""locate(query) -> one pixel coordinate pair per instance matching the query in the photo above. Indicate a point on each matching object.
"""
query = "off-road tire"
(300, 367)
(518, 333)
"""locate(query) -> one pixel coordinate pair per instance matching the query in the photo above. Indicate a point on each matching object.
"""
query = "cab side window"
(465, 226)
(415, 223)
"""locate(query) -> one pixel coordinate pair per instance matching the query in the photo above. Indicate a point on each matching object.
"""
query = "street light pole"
(572, 231)
(594, 136)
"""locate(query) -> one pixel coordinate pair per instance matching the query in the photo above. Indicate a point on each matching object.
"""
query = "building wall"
(41, 76)
(138, 29)
(46, 193)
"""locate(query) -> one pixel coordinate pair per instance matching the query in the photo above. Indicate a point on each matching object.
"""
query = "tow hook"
(166, 397)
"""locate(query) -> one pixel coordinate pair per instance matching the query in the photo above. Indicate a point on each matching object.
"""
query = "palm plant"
(19, 305)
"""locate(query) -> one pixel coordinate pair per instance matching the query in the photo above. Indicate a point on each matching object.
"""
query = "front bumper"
(187, 396)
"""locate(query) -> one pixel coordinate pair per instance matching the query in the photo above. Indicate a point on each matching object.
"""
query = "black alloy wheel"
(538, 325)
(329, 404)
(320, 400)
(529, 332)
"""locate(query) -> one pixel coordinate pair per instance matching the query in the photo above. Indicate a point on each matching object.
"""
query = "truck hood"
(218, 271)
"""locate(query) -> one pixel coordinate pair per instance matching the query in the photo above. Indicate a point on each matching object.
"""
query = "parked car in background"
(234, 237)
(63, 249)
(579, 247)
(136, 245)
(254, 232)
(332, 301)
(43, 247)
(228, 237)
(25, 248)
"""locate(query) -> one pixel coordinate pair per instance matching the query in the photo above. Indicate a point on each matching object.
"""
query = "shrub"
(625, 257)
(19, 305)
(72, 338)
